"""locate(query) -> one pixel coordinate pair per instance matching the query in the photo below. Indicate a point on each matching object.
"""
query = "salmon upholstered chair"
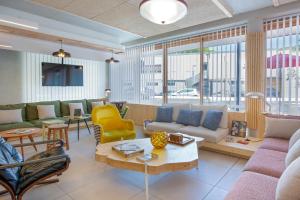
(112, 126)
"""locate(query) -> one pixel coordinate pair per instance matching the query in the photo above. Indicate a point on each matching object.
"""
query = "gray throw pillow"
(292, 154)
(212, 119)
(164, 114)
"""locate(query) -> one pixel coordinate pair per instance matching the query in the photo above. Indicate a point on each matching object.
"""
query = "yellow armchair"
(112, 126)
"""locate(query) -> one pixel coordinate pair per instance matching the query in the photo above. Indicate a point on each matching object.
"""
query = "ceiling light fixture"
(112, 60)
(163, 12)
(5, 46)
(18, 24)
(61, 53)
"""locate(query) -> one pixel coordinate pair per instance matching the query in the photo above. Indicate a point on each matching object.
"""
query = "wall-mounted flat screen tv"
(54, 74)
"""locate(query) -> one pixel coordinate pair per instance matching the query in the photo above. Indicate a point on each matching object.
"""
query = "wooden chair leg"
(67, 138)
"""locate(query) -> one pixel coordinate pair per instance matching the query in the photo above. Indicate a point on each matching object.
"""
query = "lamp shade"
(163, 11)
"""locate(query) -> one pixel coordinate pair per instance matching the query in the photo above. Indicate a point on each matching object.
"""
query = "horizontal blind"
(283, 64)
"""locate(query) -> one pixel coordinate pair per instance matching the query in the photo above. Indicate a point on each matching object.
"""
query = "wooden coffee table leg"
(22, 149)
(32, 140)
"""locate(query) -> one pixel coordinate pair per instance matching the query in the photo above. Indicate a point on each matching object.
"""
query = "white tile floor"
(87, 179)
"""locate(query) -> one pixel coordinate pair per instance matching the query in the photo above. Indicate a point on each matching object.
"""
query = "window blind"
(283, 64)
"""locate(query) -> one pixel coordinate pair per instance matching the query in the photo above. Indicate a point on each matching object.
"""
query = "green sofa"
(30, 112)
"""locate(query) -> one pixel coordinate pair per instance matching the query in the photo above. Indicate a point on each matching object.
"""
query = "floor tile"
(179, 187)
(45, 192)
(216, 194)
(105, 187)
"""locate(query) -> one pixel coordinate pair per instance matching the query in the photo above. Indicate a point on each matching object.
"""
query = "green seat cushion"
(4, 127)
(89, 104)
(116, 135)
(64, 106)
(39, 122)
(32, 112)
(15, 107)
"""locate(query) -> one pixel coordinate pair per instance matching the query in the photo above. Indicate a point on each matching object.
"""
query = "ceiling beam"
(53, 38)
(276, 3)
(224, 7)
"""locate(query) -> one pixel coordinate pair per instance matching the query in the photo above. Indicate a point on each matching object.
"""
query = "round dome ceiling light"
(163, 11)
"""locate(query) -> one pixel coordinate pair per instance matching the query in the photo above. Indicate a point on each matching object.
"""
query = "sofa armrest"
(128, 124)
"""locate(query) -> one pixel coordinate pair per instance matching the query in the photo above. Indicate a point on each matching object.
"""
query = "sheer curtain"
(283, 64)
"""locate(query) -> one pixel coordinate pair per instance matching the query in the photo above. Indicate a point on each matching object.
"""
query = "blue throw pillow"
(183, 117)
(188, 117)
(9, 155)
(212, 119)
(195, 118)
(164, 114)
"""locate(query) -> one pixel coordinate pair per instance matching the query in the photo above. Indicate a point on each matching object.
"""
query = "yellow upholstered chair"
(112, 126)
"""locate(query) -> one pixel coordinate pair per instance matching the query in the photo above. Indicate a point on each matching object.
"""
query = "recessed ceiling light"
(19, 24)
(163, 12)
(5, 46)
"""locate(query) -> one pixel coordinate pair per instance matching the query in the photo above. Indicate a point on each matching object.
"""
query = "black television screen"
(54, 74)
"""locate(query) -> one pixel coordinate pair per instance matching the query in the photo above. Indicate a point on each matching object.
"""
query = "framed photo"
(238, 128)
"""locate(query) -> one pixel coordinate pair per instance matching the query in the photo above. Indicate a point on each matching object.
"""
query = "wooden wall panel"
(94, 80)
(255, 75)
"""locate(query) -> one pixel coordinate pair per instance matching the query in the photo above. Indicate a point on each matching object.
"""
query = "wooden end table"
(49, 122)
(171, 158)
(21, 133)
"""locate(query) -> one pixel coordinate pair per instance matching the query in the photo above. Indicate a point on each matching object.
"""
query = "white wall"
(10, 77)
(94, 79)
(21, 78)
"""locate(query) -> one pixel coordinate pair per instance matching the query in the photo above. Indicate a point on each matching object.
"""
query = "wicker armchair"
(18, 176)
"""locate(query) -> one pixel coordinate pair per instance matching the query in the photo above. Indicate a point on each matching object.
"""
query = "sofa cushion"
(189, 117)
(281, 128)
(76, 107)
(212, 119)
(4, 127)
(253, 186)
(177, 107)
(64, 106)
(268, 162)
(32, 111)
(276, 144)
(293, 154)
(164, 114)
(14, 107)
(11, 116)
(46, 111)
(288, 184)
(163, 126)
(295, 137)
(89, 104)
(205, 108)
(209, 135)
(9, 155)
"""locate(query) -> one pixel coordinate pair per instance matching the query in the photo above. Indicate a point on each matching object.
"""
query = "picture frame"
(238, 128)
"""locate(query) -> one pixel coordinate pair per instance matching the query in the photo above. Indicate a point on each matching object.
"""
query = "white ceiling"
(124, 14)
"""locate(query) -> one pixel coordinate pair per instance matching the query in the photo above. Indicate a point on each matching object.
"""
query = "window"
(184, 73)
(224, 73)
(283, 64)
(171, 71)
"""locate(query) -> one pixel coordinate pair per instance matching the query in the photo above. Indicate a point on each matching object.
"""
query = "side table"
(78, 119)
(49, 122)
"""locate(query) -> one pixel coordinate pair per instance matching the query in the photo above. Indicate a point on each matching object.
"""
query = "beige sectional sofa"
(209, 135)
